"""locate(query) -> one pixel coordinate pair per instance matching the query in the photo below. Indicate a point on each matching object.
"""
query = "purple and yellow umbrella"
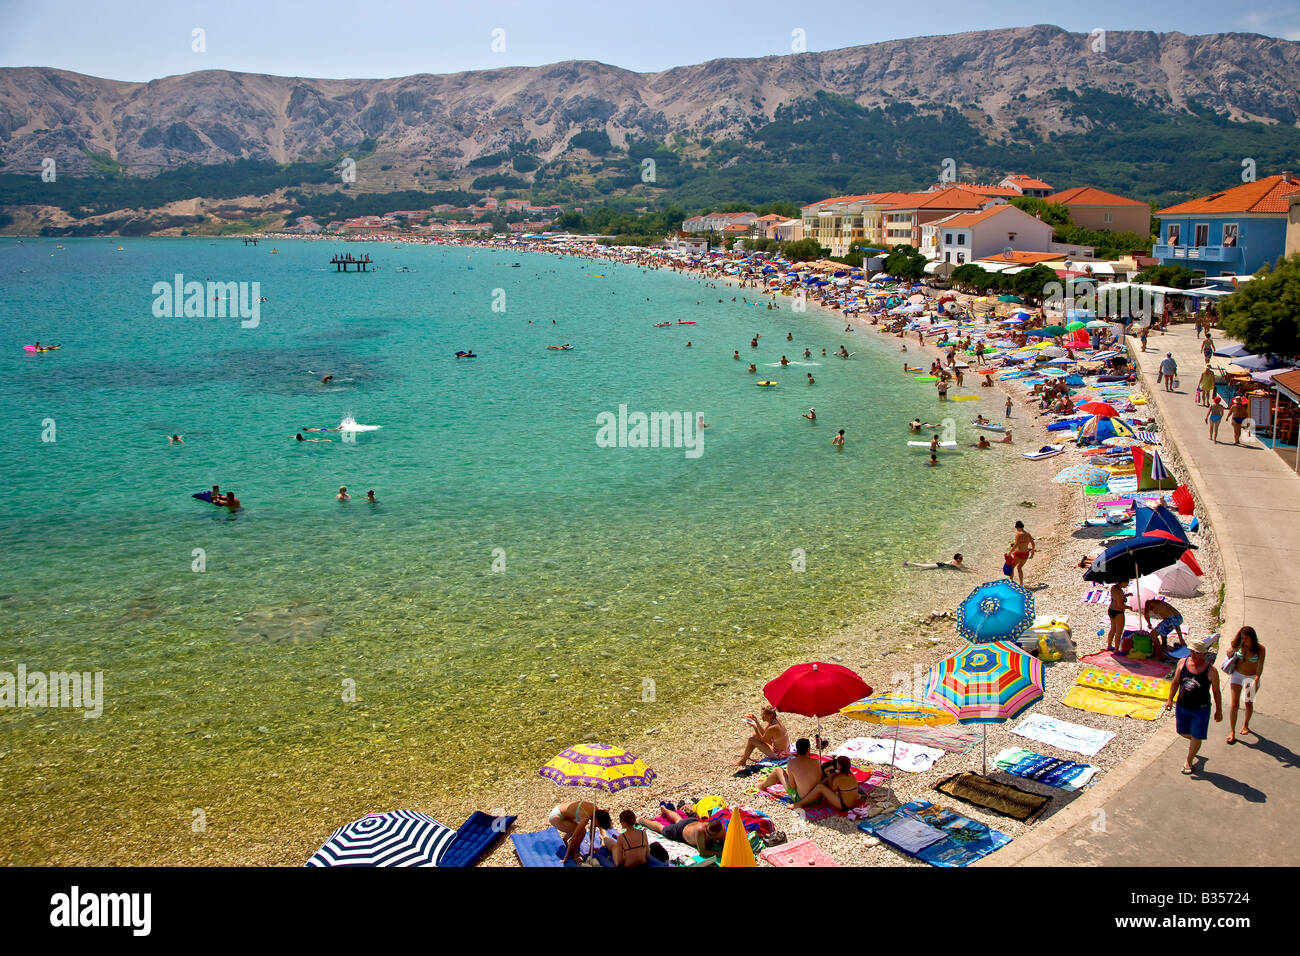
(597, 766)
(987, 684)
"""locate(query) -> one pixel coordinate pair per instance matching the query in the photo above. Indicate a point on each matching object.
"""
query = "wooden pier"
(345, 263)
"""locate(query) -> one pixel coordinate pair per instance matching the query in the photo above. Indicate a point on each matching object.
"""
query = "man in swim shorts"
(705, 835)
(1168, 618)
(801, 773)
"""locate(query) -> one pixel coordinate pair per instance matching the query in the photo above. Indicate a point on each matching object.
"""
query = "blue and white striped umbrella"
(395, 838)
(1158, 470)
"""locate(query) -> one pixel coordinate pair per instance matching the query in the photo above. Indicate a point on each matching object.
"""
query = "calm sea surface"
(515, 582)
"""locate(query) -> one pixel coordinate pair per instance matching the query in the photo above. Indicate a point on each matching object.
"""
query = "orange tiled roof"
(1088, 196)
(955, 197)
(1027, 182)
(1270, 194)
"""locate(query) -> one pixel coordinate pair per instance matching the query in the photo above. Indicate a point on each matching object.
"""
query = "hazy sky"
(145, 39)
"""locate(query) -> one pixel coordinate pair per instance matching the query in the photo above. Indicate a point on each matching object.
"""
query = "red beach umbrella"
(1100, 409)
(815, 690)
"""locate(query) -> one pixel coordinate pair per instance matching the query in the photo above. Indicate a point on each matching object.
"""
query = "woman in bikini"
(1238, 410)
(1022, 549)
(1249, 654)
(632, 848)
(1118, 602)
(1214, 415)
(839, 788)
(769, 736)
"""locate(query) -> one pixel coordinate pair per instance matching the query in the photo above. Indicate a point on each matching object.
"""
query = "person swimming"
(343, 494)
(299, 437)
(752, 368)
(914, 425)
(934, 459)
(983, 443)
(784, 361)
(811, 380)
(370, 497)
(327, 379)
(811, 415)
(955, 564)
(807, 353)
(175, 440)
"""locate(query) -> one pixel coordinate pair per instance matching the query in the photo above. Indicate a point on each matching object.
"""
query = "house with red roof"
(1097, 209)
(1027, 185)
(960, 237)
(1232, 232)
(904, 214)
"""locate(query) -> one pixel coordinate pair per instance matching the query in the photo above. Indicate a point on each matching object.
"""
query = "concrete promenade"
(1243, 805)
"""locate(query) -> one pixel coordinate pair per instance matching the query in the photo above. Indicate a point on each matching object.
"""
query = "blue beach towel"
(963, 840)
(474, 839)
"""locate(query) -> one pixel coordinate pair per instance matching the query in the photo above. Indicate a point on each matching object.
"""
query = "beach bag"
(1229, 665)
(1006, 564)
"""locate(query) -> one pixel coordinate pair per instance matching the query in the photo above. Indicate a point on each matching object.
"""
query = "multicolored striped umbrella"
(987, 684)
(598, 766)
(995, 611)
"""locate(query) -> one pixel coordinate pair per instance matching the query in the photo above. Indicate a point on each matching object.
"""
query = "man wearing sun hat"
(1194, 683)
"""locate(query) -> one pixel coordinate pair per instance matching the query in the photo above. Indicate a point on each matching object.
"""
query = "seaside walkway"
(1243, 808)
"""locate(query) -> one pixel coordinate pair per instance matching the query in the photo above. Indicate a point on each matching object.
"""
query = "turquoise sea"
(515, 582)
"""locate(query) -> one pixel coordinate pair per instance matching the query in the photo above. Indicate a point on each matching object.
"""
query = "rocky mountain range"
(1015, 90)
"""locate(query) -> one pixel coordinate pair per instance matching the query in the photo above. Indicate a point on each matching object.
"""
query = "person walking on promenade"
(1207, 347)
(1206, 386)
(1214, 415)
(1238, 411)
(1168, 369)
(1246, 660)
(1195, 681)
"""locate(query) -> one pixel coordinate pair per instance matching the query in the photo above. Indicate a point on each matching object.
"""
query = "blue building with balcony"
(1233, 232)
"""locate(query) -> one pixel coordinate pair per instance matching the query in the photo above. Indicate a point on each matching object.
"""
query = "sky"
(141, 40)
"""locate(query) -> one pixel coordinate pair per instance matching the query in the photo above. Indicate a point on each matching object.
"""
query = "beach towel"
(798, 853)
(1002, 798)
(965, 840)
(1062, 734)
(753, 820)
(1128, 665)
(912, 758)
(1121, 683)
(764, 765)
(1112, 704)
(954, 739)
(818, 811)
(475, 838)
(910, 835)
(678, 853)
(1065, 774)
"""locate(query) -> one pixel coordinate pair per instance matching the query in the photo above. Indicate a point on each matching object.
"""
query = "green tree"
(1177, 277)
(1265, 313)
(1032, 283)
(802, 250)
(905, 262)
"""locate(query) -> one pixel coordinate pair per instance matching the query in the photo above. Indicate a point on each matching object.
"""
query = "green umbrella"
(1011, 298)
(1053, 330)
(1074, 326)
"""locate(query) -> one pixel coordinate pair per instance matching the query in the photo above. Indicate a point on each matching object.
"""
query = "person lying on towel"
(705, 835)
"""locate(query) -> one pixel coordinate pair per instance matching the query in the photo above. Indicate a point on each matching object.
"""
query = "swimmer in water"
(230, 500)
(327, 379)
(370, 497)
(700, 422)
(811, 414)
(175, 440)
(753, 343)
(314, 440)
(983, 443)
(752, 368)
(934, 459)
(688, 344)
(838, 440)
(784, 361)
(343, 494)
(811, 380)
(844, 353)
(736, 355)
(914, 425)
(1006, 439)
(823, 353)
(807, 353)
(955, 564)
(934, 444)
(789, 336)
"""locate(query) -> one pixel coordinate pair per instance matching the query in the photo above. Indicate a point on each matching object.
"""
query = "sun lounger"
(475, 839)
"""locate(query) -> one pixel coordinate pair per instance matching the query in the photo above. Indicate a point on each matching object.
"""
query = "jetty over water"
(345, 263)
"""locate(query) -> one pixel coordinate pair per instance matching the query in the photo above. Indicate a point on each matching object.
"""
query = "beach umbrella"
(1159, 518)
(987, 684)
(1135, 557)
(1103, 409)
(395, 838)
(1158, 471)
(1075, 326)
(1053, 330)
(995, 611)
(1098, 324)
(815, 690)
(600, 767)
(1082, 474)
(889, 707)
(1011, 298)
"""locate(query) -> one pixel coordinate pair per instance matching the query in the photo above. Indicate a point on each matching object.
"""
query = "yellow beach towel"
(1124, 683)
(1112, 704)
